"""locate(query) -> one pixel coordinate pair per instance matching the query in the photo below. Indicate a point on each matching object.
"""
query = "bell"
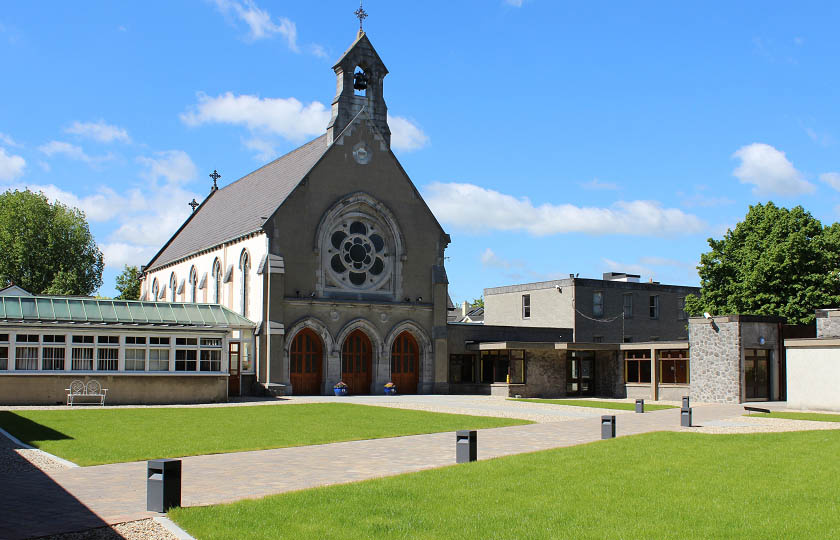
(360, 81)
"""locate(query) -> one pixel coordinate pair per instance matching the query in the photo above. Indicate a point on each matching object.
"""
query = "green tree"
(477, 302)
(46, 248)
(777, 261)
(128, 283)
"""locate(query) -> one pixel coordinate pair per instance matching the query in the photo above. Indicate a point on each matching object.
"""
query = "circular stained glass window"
(359, 253)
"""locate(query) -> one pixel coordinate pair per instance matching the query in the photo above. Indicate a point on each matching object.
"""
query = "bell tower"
(359, 74)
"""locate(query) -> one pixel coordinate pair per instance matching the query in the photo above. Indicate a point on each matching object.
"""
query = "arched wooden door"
(306, 359)
(405, 363)
(357, 363)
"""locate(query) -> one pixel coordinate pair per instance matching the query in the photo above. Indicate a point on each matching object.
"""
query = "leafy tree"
(46, 248)
(777, 261)
(477, 302)
(128, 283)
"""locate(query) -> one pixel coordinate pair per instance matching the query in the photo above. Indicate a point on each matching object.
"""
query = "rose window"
(359, 255)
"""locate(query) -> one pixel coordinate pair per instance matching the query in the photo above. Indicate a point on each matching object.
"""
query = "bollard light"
(640, 405)
(608, 427)
(163, 484)
(466, 445)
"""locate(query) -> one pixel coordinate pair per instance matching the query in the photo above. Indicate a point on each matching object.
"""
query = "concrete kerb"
(25, 446)
(173, 528)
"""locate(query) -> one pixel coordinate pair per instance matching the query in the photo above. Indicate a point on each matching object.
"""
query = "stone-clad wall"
(546, 373)
(828, 323)
(715, 360)
(609, 375)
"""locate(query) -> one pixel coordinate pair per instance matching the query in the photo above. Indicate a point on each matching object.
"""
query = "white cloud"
(832, 179)
(489, 259)
(99, 131)
(405, 135)
(597, 185)
(478, 209)
(104, 205)
(514, 3)
(769, 170)
(288, 118)
(259, 21)
(318, 50)
(265, 149)
(8, 141)
(118, 254)
(175, 166)
(11, 166)
(72, 151)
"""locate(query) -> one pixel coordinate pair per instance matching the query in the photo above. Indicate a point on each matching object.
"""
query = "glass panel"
(121, 311)
(45, 310)
(2, 308)
(28, 309)
(192, 313)
(138, 314)
(180, 314)
(166, 313)
(12, 308)
(107, 310)
(60, 309)
(151, 312)
(92, 312)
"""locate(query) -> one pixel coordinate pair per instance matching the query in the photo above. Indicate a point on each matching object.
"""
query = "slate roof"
(239, 208)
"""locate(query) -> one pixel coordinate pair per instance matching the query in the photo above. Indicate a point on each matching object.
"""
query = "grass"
(658, 485)
(617, 405)
(817, 417)
(96, 436)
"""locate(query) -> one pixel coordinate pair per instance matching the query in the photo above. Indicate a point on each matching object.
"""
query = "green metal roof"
(90, 310)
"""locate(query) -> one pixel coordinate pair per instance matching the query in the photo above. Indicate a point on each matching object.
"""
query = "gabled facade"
(331, 249)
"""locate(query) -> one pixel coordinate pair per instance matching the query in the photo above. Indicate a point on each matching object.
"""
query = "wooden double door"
(357, 363)
(405, 363)
(306, 360)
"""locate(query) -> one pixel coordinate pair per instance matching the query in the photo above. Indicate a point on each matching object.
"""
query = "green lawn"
(817, 417)
(617, 405)
(96, 436)
(659, 485)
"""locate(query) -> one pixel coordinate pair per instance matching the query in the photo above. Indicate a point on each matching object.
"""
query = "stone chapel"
(330, 250)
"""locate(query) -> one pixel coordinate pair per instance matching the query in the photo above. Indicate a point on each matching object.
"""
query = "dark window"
(53, 339)
(654, 307)
(628, 306)
(526, 306)
(4, 338)
(53, 358)
(496, 366)
(158, 341)
(598, 304)
(135, 340)
(673, 367)
(186, 341)
(82, 339)
(108, 340)
(108, 359)
(637, 366)
(211, 360)
(27, 338)
(461, 368)
(185, 359)
(4, 358)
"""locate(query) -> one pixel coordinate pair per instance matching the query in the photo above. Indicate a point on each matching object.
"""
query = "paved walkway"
(89, 496)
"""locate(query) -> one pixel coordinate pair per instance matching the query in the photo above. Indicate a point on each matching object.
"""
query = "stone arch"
(423, 341)
(316, 326)
(368, 328)
(378, 361)
(360, 206)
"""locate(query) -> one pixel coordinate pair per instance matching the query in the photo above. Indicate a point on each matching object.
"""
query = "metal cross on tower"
(193, 204)
(360, 14)
(215, 176)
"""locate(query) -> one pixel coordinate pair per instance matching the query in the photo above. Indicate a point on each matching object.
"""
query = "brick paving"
(40, 503)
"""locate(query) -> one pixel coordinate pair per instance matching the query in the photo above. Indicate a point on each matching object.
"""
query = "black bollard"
(608, 427)
(466, 446)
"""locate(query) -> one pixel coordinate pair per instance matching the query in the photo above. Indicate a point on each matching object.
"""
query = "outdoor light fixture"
(761, 340)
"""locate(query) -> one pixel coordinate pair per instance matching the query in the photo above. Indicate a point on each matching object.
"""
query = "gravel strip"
(14, 459)
(753, 424)
(131, 530)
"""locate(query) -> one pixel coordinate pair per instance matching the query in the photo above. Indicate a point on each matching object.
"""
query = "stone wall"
(609, 375)
(145, 389)
(545, 375)
(715, 362)
(828, 323)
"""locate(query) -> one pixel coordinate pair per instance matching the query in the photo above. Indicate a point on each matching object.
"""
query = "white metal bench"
(92, 389)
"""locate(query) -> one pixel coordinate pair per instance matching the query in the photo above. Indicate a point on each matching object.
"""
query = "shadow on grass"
(28, 431)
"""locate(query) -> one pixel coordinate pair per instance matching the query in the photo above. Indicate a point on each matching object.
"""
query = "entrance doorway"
(757, 374)
(234, 369)
(580, 373)
(356, 363)
(305, 360)
(405, 363)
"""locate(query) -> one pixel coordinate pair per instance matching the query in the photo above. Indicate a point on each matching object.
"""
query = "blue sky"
(548, 137)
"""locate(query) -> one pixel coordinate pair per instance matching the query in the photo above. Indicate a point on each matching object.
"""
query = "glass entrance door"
(580, 373)
(757, 374)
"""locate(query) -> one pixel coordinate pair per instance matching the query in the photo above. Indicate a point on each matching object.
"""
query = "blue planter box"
(390, 391)
(340, 391)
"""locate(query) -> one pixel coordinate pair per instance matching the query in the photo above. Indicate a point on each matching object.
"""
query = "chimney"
(465, 307)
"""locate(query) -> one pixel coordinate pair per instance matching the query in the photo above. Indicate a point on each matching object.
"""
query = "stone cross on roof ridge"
(360, 14)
